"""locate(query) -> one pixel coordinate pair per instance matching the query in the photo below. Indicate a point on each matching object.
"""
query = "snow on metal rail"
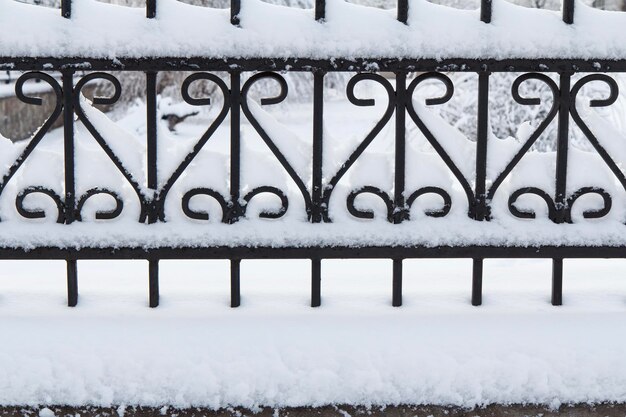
(315, 192)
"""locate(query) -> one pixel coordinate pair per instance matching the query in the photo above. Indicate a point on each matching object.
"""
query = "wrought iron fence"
(478, 191)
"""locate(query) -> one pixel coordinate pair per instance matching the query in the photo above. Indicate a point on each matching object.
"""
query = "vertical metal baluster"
(403, 11)
(152, 180)
(72, 282)
(481, 210)
(485, 11)
(561, 179)
(317, 177)
(568, 11)
(318, 139)
(235, 145)
(151, 138)
(562, 148)
(396, 292)
(68, 145)
(69, 173)
(557, 281)
(235, 177)
(153, 277)
(316, 282)
(320, 9)
(400, 212)
(235, 282)
(66, 8)
(235, 8)
(477, 281)
(150, 9)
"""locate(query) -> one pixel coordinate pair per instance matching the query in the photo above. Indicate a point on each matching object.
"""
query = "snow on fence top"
(418, 29)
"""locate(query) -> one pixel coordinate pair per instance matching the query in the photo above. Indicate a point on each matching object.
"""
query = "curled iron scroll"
(447, 201)
(117, 91)
(267, 214)
(185, 92)
(352, 83)
(527, 101)
(369, 214)
(282, 94)
(40, 133)
(100, 214)
(39, 213)
(552, 208)
(613, 95)
(203, 215)
(430, 137)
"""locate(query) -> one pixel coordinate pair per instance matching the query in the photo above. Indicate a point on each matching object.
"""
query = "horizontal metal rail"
(309, 65)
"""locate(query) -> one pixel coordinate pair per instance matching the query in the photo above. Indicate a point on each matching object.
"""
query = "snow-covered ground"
(275, 350)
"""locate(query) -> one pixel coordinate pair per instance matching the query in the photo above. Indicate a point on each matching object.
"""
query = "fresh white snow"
(275, 350)
(99, 30)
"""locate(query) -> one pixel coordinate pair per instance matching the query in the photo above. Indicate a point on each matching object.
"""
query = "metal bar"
(396, 297)
(66, 8)
(318, 145)
(235, 9)
(151, 138)
(235, 144)
(322, 252)
(151, 9)
(400, 212)
(68, 145)
(316, 282)
(320, 10)
(153, 280)
(403, 11)
(389, 64)
(477, 281)
(72, 283)
(481, 210)
(562, 150)
(485, 11)
(235, 282)
(568, 11)
(557, 281)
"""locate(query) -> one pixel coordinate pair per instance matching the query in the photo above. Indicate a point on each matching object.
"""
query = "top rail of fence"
(101, 36)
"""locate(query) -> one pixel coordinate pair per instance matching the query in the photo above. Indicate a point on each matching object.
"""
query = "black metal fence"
(478, 191)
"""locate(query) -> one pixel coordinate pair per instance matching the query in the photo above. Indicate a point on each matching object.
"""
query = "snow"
(193, 350)
(99, 30)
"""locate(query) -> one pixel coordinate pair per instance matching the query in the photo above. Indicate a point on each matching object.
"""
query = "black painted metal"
(485, 11)
(235, 9)
(477, 281)
(557, 281)
(337, 64)
(318, 209)
(151, 9)
(235, 283)
(396, 297)
(68, 145)
(153, 281)
(72, 282)
(316, 282)
(481, 209)
(233, 98)
(568, 11)
(66, 8)
(320, 10)
(403, 11)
